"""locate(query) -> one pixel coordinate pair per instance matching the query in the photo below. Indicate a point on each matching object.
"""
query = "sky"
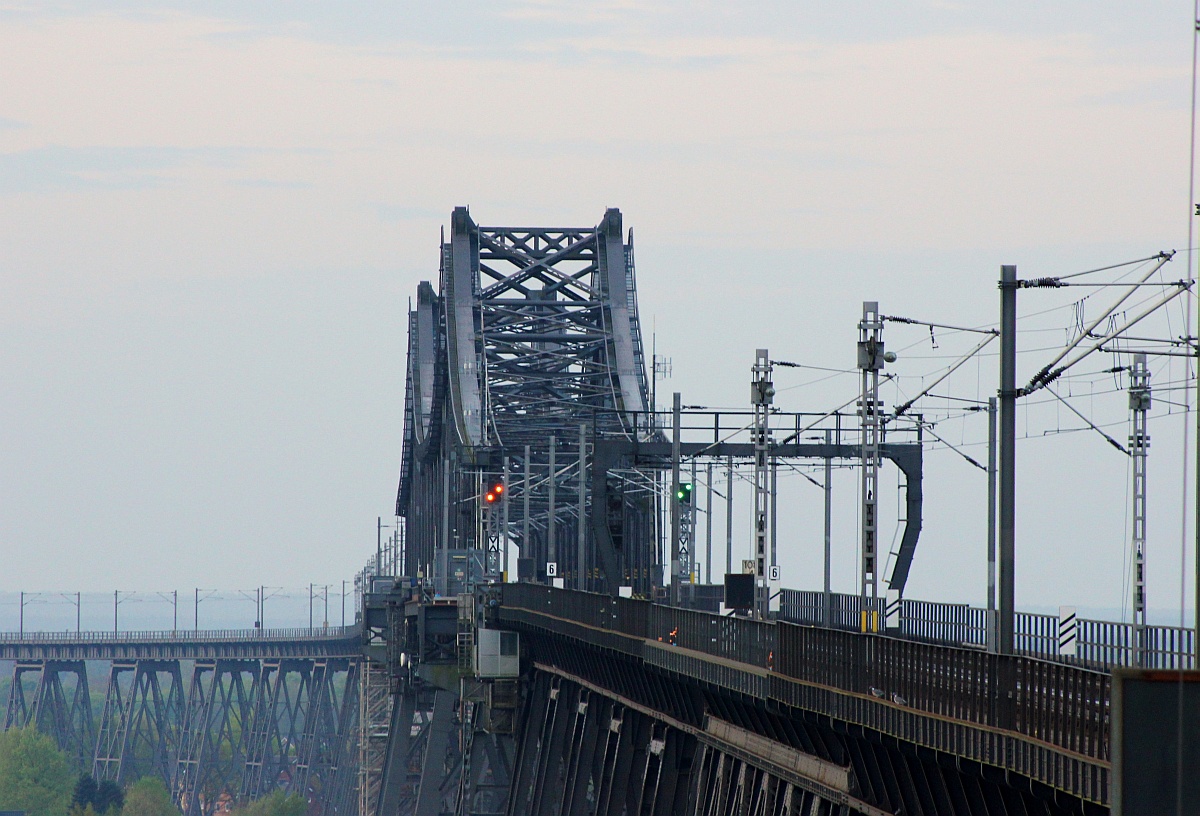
(212, 217)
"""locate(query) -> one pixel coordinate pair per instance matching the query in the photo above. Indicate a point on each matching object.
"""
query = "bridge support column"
(373, 719)
(394, 788)
(213, 742)
(539, 706)
(1008, 455)
(142, 718)
(63, 711)
(434, 772)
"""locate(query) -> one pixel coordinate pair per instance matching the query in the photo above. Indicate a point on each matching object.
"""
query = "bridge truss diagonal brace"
(531, 339)
(61, 710)
(141, 720)
(593, 750)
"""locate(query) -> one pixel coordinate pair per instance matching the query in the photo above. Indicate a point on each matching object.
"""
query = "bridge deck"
(1043, 720)
(182, 644)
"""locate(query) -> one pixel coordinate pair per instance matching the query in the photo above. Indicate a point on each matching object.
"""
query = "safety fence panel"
(1063, 705)
(737, 639)
(1169, 647)
(581, 607)
(1066, 706)
(632, 617)
(845, 611)
(944, 680)
(823, 656)
(1099, 644)
(958, 624)
(802, 606)
(1035, 634)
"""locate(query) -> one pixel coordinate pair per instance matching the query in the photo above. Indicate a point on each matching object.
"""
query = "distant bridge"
(226, 715)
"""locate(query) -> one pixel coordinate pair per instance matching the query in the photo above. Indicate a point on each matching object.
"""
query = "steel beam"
(61, 710)
(532, 333)
(141, 721)
(433, 790)
(1007, 512)
(656, 455)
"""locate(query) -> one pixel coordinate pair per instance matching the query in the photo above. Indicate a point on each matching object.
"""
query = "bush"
(149, 797)
(277, 804)
(109, 797)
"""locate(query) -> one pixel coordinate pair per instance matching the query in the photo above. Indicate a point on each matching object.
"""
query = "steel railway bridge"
(532, 446)
(220, 716)
(544, 646)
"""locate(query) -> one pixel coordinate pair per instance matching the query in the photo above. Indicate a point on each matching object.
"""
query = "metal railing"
(179, 636)
(1062, 705)
(1099, 644)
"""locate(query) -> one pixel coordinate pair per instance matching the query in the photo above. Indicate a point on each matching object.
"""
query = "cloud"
(573, 13)
(941, 140)
(104, 168)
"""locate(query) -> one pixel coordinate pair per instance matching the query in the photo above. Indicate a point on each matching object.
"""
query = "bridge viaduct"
(220, 716)
(532, 446)
(524, 657)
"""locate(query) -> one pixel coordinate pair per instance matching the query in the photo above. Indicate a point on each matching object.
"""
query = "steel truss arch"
(530, 345)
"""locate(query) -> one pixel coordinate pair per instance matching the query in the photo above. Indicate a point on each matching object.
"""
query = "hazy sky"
(212, 216)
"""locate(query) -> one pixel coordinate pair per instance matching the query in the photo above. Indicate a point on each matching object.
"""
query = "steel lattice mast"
(870, 362)
(762, 396)
(1139, 445)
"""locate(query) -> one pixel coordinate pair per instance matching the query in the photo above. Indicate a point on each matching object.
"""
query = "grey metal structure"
(680, 547)
(870, 363)
(52, 706)
(762, 396)
(141, 720)
(735, 715)
(1139, 447)
(625, 456)
(217, 719)
(532, 333)
(1006, 506)
(182, 644)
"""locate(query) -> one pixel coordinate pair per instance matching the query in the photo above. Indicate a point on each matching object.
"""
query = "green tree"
(85, 792)
(34, 775)
(149, 797)
(276, 804)
(109, 797)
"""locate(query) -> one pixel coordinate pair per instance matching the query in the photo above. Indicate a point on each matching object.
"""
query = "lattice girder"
(534, 333)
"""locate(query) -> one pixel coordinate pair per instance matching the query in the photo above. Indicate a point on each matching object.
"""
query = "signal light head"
(493, 493)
